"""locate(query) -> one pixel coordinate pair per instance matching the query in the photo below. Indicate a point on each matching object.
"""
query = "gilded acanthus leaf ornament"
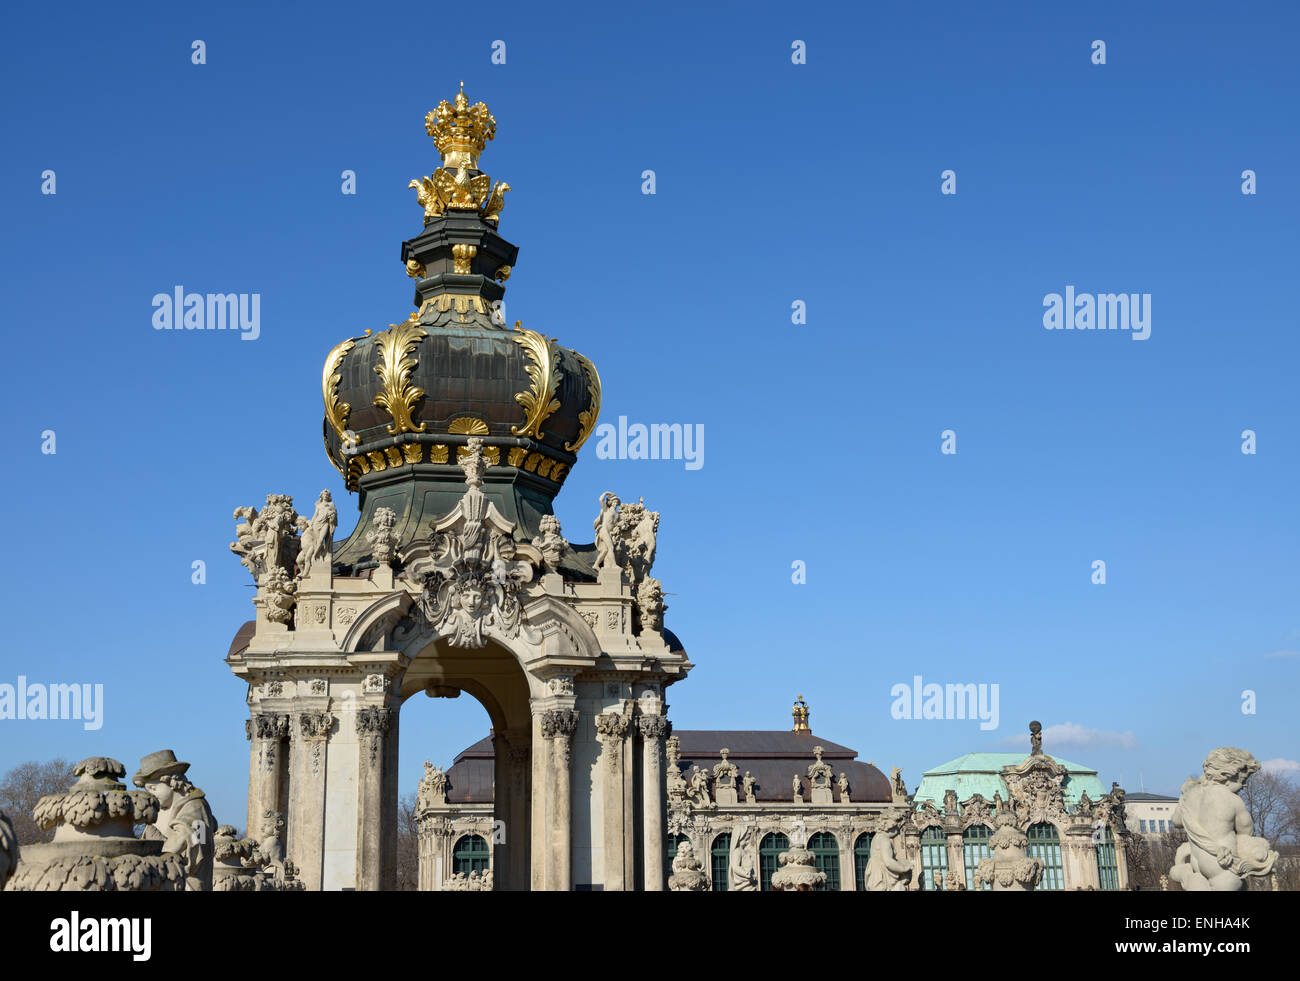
(336, 412)
(394, 369)
(587, 418)
(544, 373)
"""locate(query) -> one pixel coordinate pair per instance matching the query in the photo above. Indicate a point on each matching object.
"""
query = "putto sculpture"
(1221, 850)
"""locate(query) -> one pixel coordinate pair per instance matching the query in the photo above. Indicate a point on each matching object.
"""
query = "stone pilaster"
(510, 858)
(309, 792)
(654, 730)
(558, 726)
(374, 870)
(956, 858)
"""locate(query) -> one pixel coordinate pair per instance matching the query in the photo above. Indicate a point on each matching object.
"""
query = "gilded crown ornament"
(460, 132)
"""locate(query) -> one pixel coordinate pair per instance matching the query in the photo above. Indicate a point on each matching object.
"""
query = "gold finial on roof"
(800, 713)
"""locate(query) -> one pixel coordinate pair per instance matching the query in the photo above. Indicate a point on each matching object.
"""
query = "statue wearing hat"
(185, 823)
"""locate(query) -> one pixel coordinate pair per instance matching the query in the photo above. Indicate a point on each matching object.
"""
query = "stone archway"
(493, 677)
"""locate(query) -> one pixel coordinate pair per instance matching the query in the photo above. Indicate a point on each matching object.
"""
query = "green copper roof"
(980, 773)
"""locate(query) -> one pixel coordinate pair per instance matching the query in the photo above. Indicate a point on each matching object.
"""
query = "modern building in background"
(1150, 814)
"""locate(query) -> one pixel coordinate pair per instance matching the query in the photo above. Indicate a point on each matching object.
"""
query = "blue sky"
(775, 182)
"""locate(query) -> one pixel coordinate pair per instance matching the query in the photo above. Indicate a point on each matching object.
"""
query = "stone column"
(373, 723)
(309, 796)
(611, 728)
(266, 767)
(510, 858)
(540, 801)
(654, 729)
(558, 725)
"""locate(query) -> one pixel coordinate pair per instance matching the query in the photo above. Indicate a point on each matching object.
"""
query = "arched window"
(1107, 863)
(826, 856)
(769, 848)
(1045, 843)
(720, 862)
(934, 855)
(470, 854)
(670, 852)
(974, 846)
(861, 855)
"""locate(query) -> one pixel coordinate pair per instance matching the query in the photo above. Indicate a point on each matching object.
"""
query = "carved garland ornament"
(539, 401)
(399, 395)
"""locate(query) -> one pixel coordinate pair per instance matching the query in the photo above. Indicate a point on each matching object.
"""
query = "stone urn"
(797, 872)
(1010, 869)
(93, 847)
(688, 874)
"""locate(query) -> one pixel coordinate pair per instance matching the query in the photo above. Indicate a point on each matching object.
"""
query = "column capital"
(559, 722)
(374, 720)
(267, 725)
(315, 725)
(654, 727)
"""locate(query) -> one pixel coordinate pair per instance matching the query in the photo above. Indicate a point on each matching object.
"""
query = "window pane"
(769, 848)
(826, 856)
(720, 863)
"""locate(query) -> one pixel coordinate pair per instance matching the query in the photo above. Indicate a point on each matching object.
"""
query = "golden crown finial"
(460, 131)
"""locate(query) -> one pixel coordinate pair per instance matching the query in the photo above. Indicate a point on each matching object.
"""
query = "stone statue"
(950, 801)
(1221, 850)
(317, 538)
(844, 788)
(433, 787)
(184, 823)
(700, 788)
(271, 848)
(885, 872)
(748, 784)
(382, 541)
(1036, 738)
(8, 849)
(937, 878)
(267, 540)
(688, 873)
(604, 526)
(797, 784)
(896, 782)
(551, 543)
(744, 861)
(650, 605)
(637, 533)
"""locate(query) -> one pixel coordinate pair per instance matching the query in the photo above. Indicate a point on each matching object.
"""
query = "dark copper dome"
(401, 403)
